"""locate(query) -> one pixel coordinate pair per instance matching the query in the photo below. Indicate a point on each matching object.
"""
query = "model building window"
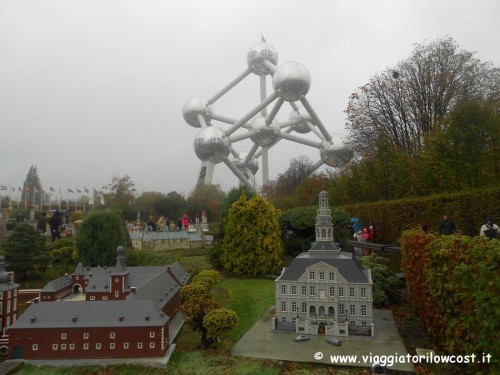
(283, 306)
(312, 290)
(112, 335)
(352, 323)
(341, 291)
(86, 346)
(294, 289)
(304, 307)
(55, 346)
(63, 336)
(71, 346)
(92, 298)
(283, 289)
(312, 275)
(63, 346)
(321, 275)
(363, 292)
(363, 309)
(151, 345)
(331, 276)
(34, 347)
(304, 290)
(294, 306)
(283, 319)
(111, 345)
(139, 345)
(364, 324)
(152, 334)
(98, 345)
(86, 335)
(352, 309)
(125, 345)
(341, 309)
(351, 292)
(332, 291)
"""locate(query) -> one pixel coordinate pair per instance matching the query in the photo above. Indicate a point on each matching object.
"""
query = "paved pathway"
(261, 342)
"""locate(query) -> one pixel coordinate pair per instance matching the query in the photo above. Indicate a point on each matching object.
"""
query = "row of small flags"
(52, 190)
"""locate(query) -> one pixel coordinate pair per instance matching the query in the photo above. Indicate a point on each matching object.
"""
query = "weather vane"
(291, 82)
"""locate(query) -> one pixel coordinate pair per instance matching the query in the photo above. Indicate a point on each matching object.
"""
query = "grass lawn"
(249, 298)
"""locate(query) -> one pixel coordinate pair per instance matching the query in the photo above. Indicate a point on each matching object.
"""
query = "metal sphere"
(195, 106)
(244, 165)
(335, 153)
(301, 127)
(262, 134)
(256, 56)
(213, 144)
(292, 81)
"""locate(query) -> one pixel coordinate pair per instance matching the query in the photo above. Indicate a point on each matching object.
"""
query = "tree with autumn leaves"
(203, 312)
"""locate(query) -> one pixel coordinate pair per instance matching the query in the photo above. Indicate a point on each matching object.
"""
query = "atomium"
(291, 82)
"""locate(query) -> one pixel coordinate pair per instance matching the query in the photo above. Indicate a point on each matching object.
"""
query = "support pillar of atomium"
(206, 174)
(291, 82)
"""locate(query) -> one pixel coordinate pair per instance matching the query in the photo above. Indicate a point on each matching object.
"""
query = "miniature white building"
(324, 290)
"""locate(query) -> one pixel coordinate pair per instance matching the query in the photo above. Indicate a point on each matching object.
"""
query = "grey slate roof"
(57, 284)
(91, 314)
(346, 263)
(180, 273)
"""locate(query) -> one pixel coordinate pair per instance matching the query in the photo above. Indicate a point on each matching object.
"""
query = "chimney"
(121, 317)
(74, 318)
(33, 319)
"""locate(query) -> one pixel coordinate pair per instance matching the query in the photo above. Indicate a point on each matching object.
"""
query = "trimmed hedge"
(454, 283)
(467, 209)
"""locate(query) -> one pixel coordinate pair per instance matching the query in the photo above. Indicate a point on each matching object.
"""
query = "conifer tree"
(99, 236)
(252, 244)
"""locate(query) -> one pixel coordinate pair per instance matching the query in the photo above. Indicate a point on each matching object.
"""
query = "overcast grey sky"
(93, 89)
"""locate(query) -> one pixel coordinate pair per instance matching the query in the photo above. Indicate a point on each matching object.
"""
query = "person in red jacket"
(185, 222)
(371, 231)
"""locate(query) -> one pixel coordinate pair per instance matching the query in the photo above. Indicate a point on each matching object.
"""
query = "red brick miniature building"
(8, 304)
(101, 312)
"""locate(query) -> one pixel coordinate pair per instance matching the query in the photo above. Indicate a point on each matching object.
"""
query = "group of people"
(361, 233)
(55, 222)
(489, 229)
(183, 224)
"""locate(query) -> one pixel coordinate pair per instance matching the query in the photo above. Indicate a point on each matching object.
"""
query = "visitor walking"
(55, 222)
(372, 231)
(41, 225)
(447, 226)
(151, 225)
